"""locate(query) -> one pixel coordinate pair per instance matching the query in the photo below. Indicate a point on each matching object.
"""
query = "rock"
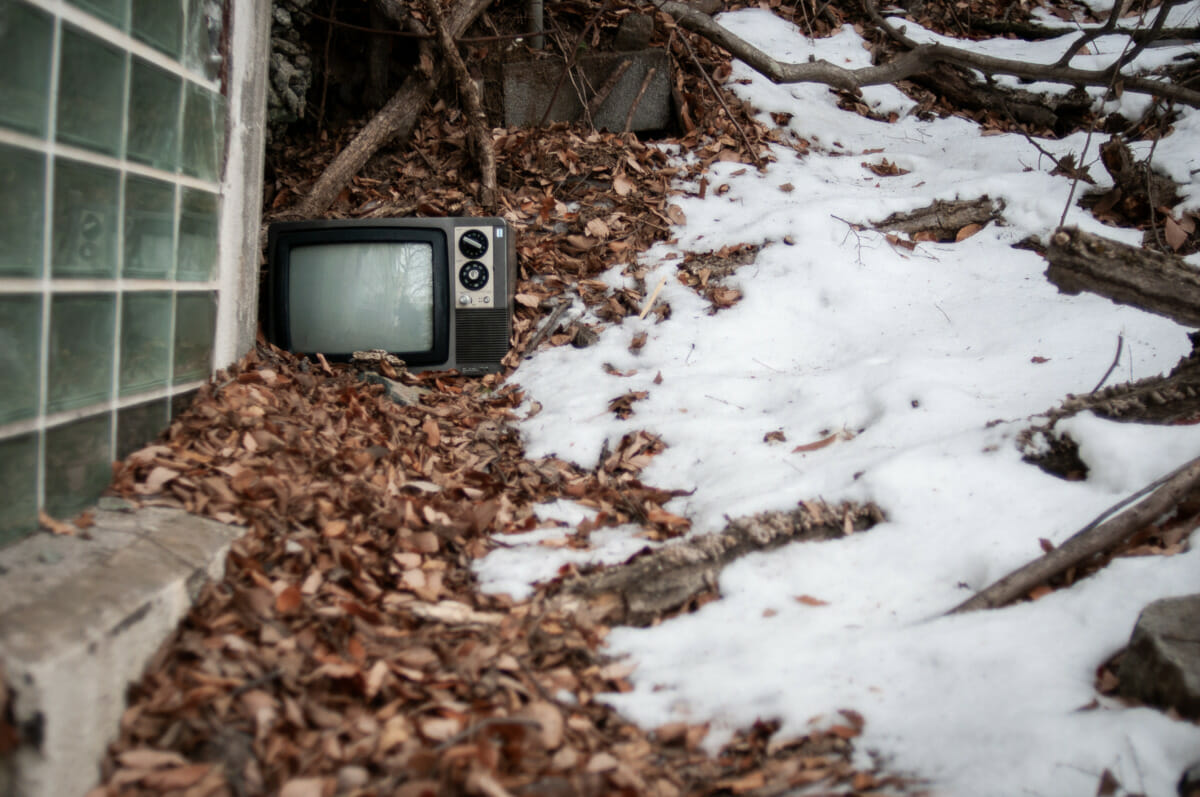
(634, 32)
(1162, 664)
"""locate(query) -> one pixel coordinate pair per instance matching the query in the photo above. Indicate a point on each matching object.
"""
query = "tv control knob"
(464, 299)
(473, 275)
(473, 244)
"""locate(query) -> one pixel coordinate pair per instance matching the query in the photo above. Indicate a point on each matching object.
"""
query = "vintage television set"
(437, 293)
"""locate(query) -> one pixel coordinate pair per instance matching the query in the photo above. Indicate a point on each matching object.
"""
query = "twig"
(476, 116)
(650, 73)
(1100, 535)
(547, 327)
(650, 302)
(721, 99)
(606, 88)
(570, 58)
(1111, 368)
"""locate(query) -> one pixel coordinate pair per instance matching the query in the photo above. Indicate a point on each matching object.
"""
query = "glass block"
(81, 350)
(203, 133)
(149, 228)
(195, 325)
(139, 425)
(22, 191)
(85, 220)
(20, 356)
(115, 12)
(202, 44)
(197, 236)
(25, 51)
(154, 96)
(91, 92)
(159, 23)
(18, 487)
(78, 465)
(145, 341)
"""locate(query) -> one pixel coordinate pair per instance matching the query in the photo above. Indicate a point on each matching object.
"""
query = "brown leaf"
(433, 434)
(289, 599)
(896, 240)
(1175, 234)
(177, 777)
(967, 231)
(819, 444)
(147, 758)
(56, 526)
(303, 787)
(809, 600)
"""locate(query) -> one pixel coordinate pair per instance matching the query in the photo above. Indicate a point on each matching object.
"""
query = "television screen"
(383, 290)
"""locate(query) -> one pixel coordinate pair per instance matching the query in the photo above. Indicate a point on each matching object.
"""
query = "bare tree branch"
(918, 59)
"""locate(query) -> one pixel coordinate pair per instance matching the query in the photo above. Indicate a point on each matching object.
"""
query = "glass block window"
(112, 147)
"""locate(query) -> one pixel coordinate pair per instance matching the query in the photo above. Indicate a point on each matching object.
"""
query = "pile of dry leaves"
(348, 651)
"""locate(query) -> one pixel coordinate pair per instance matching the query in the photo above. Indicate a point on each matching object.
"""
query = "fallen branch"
(650, 73)
(477, 118)
(1152, 281)
(944, 218)
(920, 58)
(1098, 536)
(657, 583)
(395, 120)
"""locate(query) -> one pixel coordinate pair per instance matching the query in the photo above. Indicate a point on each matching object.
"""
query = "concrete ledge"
(79, 619)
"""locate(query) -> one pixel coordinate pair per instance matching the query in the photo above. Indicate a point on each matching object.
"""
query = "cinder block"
(79, 619)
(529, 87)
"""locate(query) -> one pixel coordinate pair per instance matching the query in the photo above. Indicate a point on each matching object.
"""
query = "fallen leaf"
(56, 526)
(1175, 234)
(967, 231)
(819, 444)
(809, 600)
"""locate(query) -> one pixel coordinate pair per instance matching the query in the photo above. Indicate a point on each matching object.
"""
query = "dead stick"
(475, 114)
(547, 327)
(650, 73)
(606, 88)
(1096, 537)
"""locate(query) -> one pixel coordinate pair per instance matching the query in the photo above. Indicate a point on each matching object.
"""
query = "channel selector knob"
(473, 244)
(473, 275)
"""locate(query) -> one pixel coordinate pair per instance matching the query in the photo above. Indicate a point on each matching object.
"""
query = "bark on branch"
(1149, 280)
(918, 59)
(485, 151)
(1098, 536)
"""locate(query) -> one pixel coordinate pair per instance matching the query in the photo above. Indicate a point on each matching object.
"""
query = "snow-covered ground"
(913, 354)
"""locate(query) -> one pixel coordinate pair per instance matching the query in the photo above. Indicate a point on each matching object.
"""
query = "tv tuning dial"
(473, 244)
(473, 275)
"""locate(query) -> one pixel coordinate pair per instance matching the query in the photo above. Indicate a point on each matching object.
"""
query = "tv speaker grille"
(481, 336)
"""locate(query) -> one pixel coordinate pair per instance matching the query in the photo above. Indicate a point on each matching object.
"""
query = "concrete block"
(529, 87)
(1162, 663)
(79, 619)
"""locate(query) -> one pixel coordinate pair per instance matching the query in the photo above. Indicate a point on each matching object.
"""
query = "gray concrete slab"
(529, 86)
(79, 618)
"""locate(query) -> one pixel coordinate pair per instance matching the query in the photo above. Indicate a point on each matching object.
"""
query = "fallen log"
(395, 120)
(1100, 535)
(944, 218)
(1152, 281)
(658, 583)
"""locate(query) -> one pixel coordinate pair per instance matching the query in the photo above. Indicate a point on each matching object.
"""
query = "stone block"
(1162, 663)
(79, 619)
(529, 87)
